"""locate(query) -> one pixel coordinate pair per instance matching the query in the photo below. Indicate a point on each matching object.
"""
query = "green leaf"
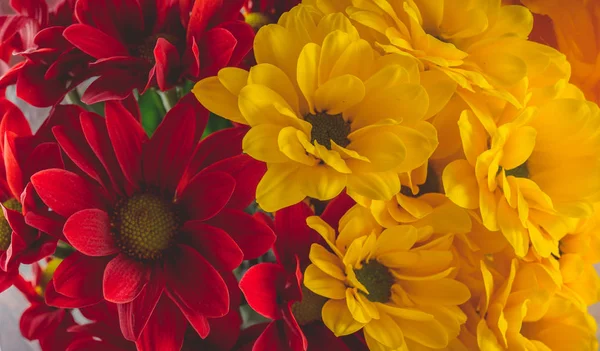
(215, 123)
(152, 110)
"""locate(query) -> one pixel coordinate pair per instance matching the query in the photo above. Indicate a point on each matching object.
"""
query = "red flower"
(22, 156)
(152, 220)
(138, 44)
(272, 8)
(275, 290)
(17, 31)
(40, 322)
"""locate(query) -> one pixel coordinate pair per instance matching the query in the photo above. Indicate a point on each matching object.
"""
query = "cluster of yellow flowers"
(474, 162)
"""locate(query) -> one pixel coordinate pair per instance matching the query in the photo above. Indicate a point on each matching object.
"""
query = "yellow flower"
(579, 251)
(525, 309)
(532, 176)
(397, 289)
(577, 27)
(479, 44)
(326, 111)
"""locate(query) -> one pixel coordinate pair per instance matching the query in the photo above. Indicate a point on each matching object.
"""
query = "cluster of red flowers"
(140, 233)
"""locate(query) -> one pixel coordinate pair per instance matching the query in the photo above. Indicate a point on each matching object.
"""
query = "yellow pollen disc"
(5, 229)
(144, 225)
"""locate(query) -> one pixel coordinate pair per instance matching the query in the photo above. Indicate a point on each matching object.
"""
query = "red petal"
(65, 192)
(130, 103)
(165, 329)
(207, 194)
(80, 276)
(244, 35)
(39, 320)
(168, 64)
(252, 236)
(134, 315)
(247, 172)
(113, 17)
(294, 237)
(216, 48)
(263, 286)
(200, 16)
(166, 155)
(337, 208)
(272, 339)
(127, 137)
(44, 156)
(14, 173)
(96, 134)
(214, 244)
(36, 9)
(75, 146)
(124, 279)
(115, 85)
(13, 120)
(7, 279)
(35, 89)
(89, 232)
(94, 42)
(53, 298)
(192, 282)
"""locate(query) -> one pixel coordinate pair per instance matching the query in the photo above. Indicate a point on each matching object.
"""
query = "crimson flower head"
(276, 291)
(153, 221)
(22, 156)
(138, 44)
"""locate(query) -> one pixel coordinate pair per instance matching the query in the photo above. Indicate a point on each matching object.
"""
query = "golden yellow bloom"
(577, 27)
(579, 251)
(524, 308)
(532, 176)
(479, 44)
(388, 282)
(326, 111)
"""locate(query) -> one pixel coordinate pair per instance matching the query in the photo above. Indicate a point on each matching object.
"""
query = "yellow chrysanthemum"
(579, 251)
(524, 308)
(397, 289)
(577, 27)
(326, 111)
(533, 175)
(479, 44)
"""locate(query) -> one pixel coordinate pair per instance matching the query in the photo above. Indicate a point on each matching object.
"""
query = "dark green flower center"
(309, 309)
(5, 229)
(144, 225)
(520, 171)
(377, 279)
(326, 128)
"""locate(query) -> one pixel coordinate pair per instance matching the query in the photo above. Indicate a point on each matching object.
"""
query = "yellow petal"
(328, 233)
(385, 151)
(336, 21)
(213, 95)
(321, 182)
(473, 135)
(307, 73)
(430, 333)
(323, 284)
(275, 79)
(279, 187)
(375, 186)
(440, 88)
(280, 54)
(261, 143)
(290, 146)
(331, 158)
(338, 318)
(460, 184)
(339, 94)
(486, 340)
(333, 46)
(327, 262)
(356, 60)
(396, 240)
(385, 331)
(518, 147)
(356, 309)
(420, 142)
(445, 292)
(261, 105)
(513, 230)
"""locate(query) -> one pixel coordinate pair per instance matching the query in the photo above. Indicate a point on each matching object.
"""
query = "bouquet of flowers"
(264, 175)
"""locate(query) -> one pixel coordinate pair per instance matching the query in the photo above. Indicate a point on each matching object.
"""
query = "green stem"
(63, 250)
(169, 98)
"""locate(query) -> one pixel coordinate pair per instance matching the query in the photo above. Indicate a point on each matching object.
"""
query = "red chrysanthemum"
(46, 324)
(271, 8)
(275, 290)
(152, 220)
(137, 44)
(22, 156)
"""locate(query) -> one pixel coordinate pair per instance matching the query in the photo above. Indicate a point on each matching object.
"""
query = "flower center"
(5, 229)
(520, 171)
(309, 309)
(377, 279)
(144, 225)
(326, 128)
(145, 50)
